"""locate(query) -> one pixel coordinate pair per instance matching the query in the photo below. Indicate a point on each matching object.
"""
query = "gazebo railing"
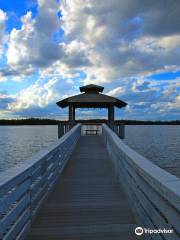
(91, 129)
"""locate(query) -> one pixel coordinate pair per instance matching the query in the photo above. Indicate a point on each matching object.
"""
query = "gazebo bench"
(92, 130)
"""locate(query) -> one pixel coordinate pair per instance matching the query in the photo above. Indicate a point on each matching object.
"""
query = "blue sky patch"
(165, 76)
(15, 9)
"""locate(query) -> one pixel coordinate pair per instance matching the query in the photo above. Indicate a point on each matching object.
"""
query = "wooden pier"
(88, 187)
(88, 202)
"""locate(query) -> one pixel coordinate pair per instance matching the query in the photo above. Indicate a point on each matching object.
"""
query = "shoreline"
(37, 121)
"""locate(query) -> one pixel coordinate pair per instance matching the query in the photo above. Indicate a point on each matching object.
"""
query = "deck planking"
(87, 202)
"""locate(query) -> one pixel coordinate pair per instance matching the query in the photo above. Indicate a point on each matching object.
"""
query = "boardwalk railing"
(154, 194)
(63, 128)
(119, 129)
(25, 187)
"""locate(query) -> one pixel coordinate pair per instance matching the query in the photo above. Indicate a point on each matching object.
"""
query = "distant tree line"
(138, 122)
(29, 121)
(38, 121)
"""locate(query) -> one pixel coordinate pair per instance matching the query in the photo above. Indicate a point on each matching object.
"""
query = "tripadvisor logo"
(139, 231)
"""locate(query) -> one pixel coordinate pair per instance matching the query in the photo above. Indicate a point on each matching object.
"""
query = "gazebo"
(91, 97)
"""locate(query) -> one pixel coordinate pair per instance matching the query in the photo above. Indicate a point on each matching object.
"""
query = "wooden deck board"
(88, 202)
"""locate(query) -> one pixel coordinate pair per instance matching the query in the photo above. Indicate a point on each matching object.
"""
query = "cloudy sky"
(48, 48)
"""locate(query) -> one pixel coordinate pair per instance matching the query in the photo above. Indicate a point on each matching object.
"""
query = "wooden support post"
(74, 114)
(122, 131)
(60, 130)
(116, 129)
(65, 128)
(111, 116)
(71, 115)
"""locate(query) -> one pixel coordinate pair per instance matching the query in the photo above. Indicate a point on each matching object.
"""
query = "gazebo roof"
(91, 98)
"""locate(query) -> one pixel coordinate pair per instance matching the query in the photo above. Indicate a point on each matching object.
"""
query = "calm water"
(17, 143)
(161, 144)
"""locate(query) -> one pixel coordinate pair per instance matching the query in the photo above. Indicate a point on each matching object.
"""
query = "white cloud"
(108, 40)
(32, 45)
(168, 107)
(3, 18)
(116, 92)
(38, 94)
(119, 40)
(176, 104)
(173, 87)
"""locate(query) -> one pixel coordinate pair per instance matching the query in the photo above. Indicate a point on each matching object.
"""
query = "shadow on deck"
(87, 202)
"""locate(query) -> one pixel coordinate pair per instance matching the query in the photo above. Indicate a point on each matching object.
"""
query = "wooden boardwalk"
(88, 202)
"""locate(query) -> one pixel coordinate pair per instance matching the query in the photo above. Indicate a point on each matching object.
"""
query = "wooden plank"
(112, 231)
(88, 202)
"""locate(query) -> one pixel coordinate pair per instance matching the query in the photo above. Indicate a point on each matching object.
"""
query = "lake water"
(17, 143)
(160, 144)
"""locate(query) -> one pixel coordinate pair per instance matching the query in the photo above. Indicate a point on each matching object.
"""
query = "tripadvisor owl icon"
(139, 231)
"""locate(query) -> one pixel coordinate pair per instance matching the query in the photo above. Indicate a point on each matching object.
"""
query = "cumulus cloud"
(168, 107)
(176, 104)
(5, 100)
(32, 45)
(45, 92)
(122, 37)
(108, 40)
(116, 92)
(38, 94)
